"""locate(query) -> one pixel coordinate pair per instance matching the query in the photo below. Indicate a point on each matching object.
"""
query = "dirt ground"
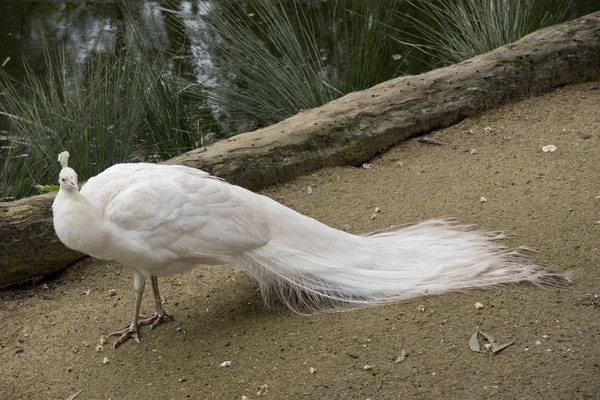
(49, 333)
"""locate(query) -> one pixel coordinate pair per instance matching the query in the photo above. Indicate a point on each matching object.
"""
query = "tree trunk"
(347, 131)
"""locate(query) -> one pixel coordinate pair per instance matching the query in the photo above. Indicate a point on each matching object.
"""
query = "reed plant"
(274, 59)
(119, 105)
(93, 113)
(451, 31)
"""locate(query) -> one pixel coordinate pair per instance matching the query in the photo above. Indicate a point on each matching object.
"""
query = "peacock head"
(67, 179)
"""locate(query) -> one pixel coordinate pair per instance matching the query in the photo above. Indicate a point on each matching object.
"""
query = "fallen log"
(347, 131)
(360, 125)
(29, 248)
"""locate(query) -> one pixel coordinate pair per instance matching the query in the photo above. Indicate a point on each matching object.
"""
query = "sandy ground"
(548, 201)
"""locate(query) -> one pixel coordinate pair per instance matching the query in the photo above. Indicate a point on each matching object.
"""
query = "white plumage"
(161, 220)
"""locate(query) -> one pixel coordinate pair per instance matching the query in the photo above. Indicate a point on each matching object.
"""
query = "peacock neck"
(79, 224)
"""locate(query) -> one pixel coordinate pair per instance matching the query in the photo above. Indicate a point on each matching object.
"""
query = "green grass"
(269, 61)
(91, 113)
(173, 122)
(455, 30)
(132, 101)
(119, 105)
(274, 59)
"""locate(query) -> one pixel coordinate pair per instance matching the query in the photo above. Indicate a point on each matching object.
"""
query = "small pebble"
(482, 199)
(549, 148)
(225, 364)
(401, 357)
(262, 390)
(112, 292)
(312, 370)
(478, 305)
(105, 360)
(367, 367)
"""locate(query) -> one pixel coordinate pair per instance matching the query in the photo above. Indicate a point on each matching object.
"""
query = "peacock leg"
(159, 315)
(132, 331)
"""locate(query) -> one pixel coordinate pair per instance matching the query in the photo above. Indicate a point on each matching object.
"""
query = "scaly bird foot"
(155, 319)
(130, 332)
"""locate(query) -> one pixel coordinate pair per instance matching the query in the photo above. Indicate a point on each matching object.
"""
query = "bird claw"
(130, 332)
(155, 319)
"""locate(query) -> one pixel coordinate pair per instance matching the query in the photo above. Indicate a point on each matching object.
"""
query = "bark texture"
(29, 248)
(347, 131)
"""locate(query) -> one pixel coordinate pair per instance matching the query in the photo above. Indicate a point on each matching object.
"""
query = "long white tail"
(311, 267)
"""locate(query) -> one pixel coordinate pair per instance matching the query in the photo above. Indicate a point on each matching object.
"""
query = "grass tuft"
(118, 106)
(273, 60)
(455, 30)
(92, 112)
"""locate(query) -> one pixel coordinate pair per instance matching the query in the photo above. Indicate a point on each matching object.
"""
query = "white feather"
(63, 159)
(162, 220)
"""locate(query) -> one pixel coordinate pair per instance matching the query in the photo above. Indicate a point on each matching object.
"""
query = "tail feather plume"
(352, 271)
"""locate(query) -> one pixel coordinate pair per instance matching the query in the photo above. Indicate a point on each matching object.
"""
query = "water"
(88, 27)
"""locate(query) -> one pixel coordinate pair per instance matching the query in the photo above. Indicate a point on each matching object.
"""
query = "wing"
(102, 188)
(174, 213)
